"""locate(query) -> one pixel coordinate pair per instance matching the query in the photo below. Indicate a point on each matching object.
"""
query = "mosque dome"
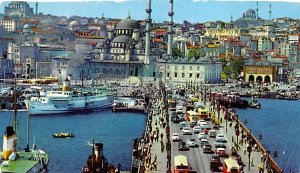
(128, 23)
(250, 11)
(121, 39)
(26, 26)
(73, 25)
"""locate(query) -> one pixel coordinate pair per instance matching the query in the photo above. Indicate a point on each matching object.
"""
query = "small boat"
(63, 135)
(254, 104)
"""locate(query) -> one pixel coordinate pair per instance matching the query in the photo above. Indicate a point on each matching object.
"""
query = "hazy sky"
(191, 10)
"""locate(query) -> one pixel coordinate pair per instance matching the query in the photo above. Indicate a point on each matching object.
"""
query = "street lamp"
(226, 117)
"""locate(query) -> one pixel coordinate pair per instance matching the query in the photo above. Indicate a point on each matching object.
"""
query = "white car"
(175, 137)
(186, 131)
(201, 135)
(191, 143)
(197, 129)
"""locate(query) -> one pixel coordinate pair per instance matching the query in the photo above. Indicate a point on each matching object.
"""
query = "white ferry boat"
(67, 101)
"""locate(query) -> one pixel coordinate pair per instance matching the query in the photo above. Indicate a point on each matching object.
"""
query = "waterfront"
(115, 130)
(277, 121)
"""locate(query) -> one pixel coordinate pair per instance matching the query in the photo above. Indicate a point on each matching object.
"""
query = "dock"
(134, 109)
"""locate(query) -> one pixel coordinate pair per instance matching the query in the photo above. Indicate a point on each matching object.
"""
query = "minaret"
(148, 29)
(231, 19)
(36, 8)
(170, 32)
(270, 11)
(256, 10)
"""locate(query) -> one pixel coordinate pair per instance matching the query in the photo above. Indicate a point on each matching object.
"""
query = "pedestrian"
(161, 136)
(155, 157)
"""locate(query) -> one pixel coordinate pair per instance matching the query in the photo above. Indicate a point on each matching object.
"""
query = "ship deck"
(22, 164)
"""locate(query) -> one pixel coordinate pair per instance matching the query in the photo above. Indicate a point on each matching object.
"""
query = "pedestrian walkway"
(158, 161)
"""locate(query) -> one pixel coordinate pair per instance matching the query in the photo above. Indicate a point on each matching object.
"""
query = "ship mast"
(15, 120)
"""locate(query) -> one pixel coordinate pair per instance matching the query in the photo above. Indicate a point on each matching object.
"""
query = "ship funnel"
(98, 151)
(9, 142)
(66, 84)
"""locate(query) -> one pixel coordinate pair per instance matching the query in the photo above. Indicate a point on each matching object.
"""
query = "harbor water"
(278, 122)
(115, 130)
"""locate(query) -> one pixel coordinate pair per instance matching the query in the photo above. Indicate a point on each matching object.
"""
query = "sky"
(190, 10)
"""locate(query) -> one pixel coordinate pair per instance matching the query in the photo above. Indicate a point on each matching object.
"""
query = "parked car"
(191, 143)
(186, 131)
(175, 137)
(182, 146)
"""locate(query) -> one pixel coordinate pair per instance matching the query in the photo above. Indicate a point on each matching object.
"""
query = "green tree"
(177, 52)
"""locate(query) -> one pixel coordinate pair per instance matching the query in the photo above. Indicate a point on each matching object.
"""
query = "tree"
(177, 52)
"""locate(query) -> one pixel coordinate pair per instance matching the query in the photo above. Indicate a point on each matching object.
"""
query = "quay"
(134, 109)
(155, 152)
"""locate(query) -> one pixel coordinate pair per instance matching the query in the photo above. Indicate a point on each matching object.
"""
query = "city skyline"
(190, 10)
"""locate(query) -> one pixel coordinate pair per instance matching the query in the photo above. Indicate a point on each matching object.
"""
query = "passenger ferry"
(67, 101)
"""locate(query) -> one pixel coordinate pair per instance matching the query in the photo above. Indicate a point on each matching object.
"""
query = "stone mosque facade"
(122, 53)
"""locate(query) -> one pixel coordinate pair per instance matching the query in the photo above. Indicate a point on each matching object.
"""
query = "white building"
(9, 24)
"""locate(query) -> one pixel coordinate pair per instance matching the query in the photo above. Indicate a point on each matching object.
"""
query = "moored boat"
(69, 101)
(63, 135)
(254, 104)
(21, 161)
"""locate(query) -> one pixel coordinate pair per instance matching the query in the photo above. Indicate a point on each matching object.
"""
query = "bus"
(192, 115)
(231, 166)
(203, 113)
(181, 164)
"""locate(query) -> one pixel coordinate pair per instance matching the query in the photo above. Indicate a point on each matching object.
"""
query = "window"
(191, 67)
(191, 75)
(175, 67)
(168, 67)
(198, 75)
(183, 67)
(175, 74)
(182, 75)
(168, 74)
(198, 68)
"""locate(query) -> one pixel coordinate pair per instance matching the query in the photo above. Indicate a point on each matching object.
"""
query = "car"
(212, 133)
(221, 152)
(181, 117)
(175, 119)
(197, 129)
(221, 139)
(182, 124)
(191, 143)
(203, 142)
(207, 148)
(182, 146)
(175, 137)
(186, 131)
(201, 135)
(193, 123)
(215, 163)
(220, 145)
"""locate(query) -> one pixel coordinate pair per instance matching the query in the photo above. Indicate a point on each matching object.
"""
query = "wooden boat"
(254, 104)
(63, 135)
